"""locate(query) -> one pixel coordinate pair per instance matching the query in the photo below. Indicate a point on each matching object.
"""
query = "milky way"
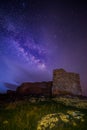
(21, 50)
(39, 36)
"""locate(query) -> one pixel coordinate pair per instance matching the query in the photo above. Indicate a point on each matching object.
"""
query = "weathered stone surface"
(66, 83)
(36, 88)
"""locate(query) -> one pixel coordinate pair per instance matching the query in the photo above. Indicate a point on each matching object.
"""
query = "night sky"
(37, 36)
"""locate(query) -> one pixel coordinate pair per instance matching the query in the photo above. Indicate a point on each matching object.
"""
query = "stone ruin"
(66, 83)
(35, 88)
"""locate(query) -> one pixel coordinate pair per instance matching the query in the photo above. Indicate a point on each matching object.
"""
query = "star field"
(39, 36)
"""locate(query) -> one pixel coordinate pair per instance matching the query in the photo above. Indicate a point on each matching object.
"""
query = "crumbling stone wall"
(66, 83)
(35, 88)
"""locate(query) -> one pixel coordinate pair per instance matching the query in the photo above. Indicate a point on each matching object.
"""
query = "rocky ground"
(43, 113)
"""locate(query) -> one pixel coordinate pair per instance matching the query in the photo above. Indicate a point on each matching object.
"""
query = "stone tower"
(66, 83)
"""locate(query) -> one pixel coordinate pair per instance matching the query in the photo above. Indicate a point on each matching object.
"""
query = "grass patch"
(23, 115)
